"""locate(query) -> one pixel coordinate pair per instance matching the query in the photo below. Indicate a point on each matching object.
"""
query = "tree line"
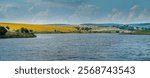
(4, 30)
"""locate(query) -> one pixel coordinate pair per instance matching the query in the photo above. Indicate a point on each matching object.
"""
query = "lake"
(77, 47)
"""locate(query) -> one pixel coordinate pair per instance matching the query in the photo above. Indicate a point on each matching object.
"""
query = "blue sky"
(75, 11)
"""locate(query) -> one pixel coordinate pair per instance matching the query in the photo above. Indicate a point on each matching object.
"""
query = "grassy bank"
(17, 35)
(141, 32)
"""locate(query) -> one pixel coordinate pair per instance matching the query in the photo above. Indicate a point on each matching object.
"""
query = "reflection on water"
(77, 47)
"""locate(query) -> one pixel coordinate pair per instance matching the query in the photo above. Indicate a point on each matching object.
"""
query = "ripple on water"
(77, 47)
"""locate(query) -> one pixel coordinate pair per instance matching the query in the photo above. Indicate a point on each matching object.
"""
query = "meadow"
(39, 28)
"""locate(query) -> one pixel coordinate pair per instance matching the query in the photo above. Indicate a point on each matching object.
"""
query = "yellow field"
(38, 27)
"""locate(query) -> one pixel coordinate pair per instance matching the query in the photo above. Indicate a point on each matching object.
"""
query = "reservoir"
(77, 47)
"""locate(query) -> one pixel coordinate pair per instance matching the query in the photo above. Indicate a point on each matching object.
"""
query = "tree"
(117, 31)
(7, 27)
(31, 31)
(26, 30)
(78, 28)
(87, 28)
(55, 30)
(22, 30)
(3, 30)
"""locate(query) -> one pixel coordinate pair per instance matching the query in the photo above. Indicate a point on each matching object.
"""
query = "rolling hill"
(39, 27)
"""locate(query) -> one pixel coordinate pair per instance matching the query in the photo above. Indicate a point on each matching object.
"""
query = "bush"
(3, 30)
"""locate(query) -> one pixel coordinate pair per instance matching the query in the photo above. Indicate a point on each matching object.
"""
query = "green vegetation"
(94, 29)
(20, 33)
(40, 28)
(3, 30)
(83, 29)
(141, 32)
(15, 30)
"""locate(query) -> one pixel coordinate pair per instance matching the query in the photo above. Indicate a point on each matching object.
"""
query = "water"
(76, 47)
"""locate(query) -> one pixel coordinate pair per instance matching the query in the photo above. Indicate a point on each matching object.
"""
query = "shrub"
(3, 30)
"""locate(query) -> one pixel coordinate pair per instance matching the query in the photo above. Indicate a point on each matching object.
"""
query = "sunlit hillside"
(39, 28)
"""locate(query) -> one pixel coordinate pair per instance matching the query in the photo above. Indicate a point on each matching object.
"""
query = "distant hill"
(101, 25)
(56, 24)
(141, 24)
(39, 27)
(145, 25)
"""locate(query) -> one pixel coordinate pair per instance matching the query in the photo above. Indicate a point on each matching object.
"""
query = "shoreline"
(34, 35)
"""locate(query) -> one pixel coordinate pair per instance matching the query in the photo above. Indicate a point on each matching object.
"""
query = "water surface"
(76, 47)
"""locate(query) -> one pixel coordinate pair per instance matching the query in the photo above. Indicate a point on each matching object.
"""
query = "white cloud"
(85, 12)
(41, 17)
(30, 9)
(6, 7)
(135, 7)
(114, 16)
(144, 15)
(56, 3)
(42, 2)
(42, 14)
(131, 14)
(114, 10)
(134, 14)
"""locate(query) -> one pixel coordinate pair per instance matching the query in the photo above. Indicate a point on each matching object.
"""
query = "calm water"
(77, 47)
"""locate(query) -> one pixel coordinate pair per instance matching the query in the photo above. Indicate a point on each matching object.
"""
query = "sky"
(75, 11)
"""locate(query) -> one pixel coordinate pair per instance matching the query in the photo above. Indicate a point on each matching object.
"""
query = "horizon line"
(77, 23)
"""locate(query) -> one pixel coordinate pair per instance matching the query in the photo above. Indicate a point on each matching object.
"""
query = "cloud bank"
(75, 11)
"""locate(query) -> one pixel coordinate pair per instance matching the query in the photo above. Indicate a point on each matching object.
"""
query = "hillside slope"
(38, 27)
